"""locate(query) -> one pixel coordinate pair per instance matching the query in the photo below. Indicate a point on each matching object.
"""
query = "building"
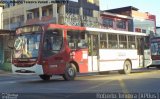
(72, 12)
(5, 52)
(1, 18)
(115, 21)
(141, 21)
(157, 31)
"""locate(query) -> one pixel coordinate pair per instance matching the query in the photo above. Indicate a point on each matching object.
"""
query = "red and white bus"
(54, 49)
(155, 52)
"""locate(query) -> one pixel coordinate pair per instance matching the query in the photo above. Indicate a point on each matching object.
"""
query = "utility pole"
(81, 13)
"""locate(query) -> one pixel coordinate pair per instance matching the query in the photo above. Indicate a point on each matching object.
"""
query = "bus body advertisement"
(54, 49)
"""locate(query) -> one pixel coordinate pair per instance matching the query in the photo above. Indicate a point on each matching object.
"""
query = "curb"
(4, 72)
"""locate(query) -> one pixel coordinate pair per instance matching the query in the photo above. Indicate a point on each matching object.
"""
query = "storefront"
(5, 52)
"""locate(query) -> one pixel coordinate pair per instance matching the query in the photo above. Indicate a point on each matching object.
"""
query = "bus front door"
(140, 48)
(93, 52)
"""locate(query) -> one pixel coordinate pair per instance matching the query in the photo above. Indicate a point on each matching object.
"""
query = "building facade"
(158, 31)
(72, 12)
(1, 16)
(141, 21)
(115, 21)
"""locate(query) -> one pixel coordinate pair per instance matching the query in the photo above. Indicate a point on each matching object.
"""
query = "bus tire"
(158, 67)
(127, 67)
(70, 72)
(45, 77)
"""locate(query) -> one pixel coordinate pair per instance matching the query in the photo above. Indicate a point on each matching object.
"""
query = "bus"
(54, 49)
(155, 52)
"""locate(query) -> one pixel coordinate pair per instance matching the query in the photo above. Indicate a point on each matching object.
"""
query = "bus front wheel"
(45, 77)
(70, 72)
(127, 67)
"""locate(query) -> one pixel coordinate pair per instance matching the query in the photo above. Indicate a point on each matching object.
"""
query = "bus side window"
(82, 44)
(76, 39)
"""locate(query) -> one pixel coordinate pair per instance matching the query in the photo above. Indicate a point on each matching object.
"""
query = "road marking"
(7, 82)
(124, 88)
(146, 72)
(5, 74)
(143, 73)
(98, 85)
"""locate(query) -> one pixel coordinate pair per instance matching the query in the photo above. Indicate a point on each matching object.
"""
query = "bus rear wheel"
(70, 72)
(45, 77)
(127, 67)
(158, 67)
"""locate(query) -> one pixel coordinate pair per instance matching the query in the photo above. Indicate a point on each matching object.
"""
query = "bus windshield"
(27, 45)
(155, 46)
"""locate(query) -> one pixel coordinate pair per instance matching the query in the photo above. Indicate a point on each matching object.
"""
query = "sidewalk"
(3, 72)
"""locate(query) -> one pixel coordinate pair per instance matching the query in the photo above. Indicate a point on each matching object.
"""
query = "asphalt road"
(141, 84)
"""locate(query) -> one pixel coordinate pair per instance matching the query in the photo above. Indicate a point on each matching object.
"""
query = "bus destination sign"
(29, 29)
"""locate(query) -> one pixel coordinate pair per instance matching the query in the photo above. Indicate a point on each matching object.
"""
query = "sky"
(151, 6)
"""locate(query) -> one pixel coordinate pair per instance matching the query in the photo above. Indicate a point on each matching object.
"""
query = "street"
(142, 84)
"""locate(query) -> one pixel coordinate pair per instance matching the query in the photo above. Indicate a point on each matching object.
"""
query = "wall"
(1, 18)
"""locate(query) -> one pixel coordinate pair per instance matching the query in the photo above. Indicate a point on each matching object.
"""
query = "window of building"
(6, 21)
(20, 18)
(131, 42)
(36, 14)
(151, 32)
(138, 29)
(108, 22)
(130, 25)
(103, 41)
(44, 12)
(87, 12)
(12, 20)
(50, 11)
(122, 41)
(29, 16)
(143, 31)
(121, 24)
(112, 41)
(72, 10)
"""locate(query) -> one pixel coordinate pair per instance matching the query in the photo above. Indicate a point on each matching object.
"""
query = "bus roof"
(115, 31)
(79, 28)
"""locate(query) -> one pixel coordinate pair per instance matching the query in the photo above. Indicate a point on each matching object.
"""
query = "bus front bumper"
(36, 69)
